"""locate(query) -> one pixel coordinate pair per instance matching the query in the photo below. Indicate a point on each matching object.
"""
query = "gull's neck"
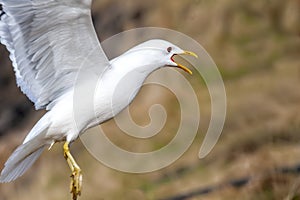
(121, 82)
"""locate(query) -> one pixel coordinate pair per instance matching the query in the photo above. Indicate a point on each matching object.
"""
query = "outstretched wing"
(49, 41)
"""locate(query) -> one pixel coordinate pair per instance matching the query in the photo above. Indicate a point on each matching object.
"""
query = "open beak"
(189, 53)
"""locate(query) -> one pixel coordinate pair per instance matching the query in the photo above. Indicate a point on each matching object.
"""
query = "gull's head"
(155, 54)
(128, 71)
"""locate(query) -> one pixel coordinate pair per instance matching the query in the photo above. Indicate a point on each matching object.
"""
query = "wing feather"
(47, 41)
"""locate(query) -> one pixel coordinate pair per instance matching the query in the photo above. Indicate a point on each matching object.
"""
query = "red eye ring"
(169, 49)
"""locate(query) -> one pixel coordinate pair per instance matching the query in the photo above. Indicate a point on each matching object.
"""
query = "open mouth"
(182, 66)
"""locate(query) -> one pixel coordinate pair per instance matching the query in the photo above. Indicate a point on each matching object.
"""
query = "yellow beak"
(189, 53)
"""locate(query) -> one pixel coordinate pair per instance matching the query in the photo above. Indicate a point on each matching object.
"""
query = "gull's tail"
(27, 153)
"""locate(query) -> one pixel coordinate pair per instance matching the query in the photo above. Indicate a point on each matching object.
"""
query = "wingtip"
(2, 180)
(5, 179)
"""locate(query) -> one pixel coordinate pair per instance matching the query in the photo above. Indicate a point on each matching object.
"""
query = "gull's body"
(50, 43)
(60, 122)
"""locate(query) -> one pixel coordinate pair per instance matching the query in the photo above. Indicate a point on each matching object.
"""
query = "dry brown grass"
(256, 45)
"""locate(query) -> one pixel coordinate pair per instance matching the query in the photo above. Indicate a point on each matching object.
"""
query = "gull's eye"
(169, 49)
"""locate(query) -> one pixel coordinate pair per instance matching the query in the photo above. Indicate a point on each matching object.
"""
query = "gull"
(47, 41)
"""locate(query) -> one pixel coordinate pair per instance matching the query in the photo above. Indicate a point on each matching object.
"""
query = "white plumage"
(42, 36)
(47, 41)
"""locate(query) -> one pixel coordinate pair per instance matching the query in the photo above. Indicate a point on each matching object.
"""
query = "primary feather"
(46, 40)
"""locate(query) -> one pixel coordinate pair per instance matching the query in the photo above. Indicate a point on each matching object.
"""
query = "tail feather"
(17, 165)
(27, 153)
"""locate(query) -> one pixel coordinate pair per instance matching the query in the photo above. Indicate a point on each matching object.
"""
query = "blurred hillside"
(256, 45)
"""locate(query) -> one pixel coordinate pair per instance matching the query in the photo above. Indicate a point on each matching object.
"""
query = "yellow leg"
(76, 177)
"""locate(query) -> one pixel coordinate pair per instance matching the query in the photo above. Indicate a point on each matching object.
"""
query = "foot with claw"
(76, 177)
(76, 183)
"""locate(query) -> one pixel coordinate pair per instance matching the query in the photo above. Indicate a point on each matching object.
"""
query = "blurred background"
(255, 44)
